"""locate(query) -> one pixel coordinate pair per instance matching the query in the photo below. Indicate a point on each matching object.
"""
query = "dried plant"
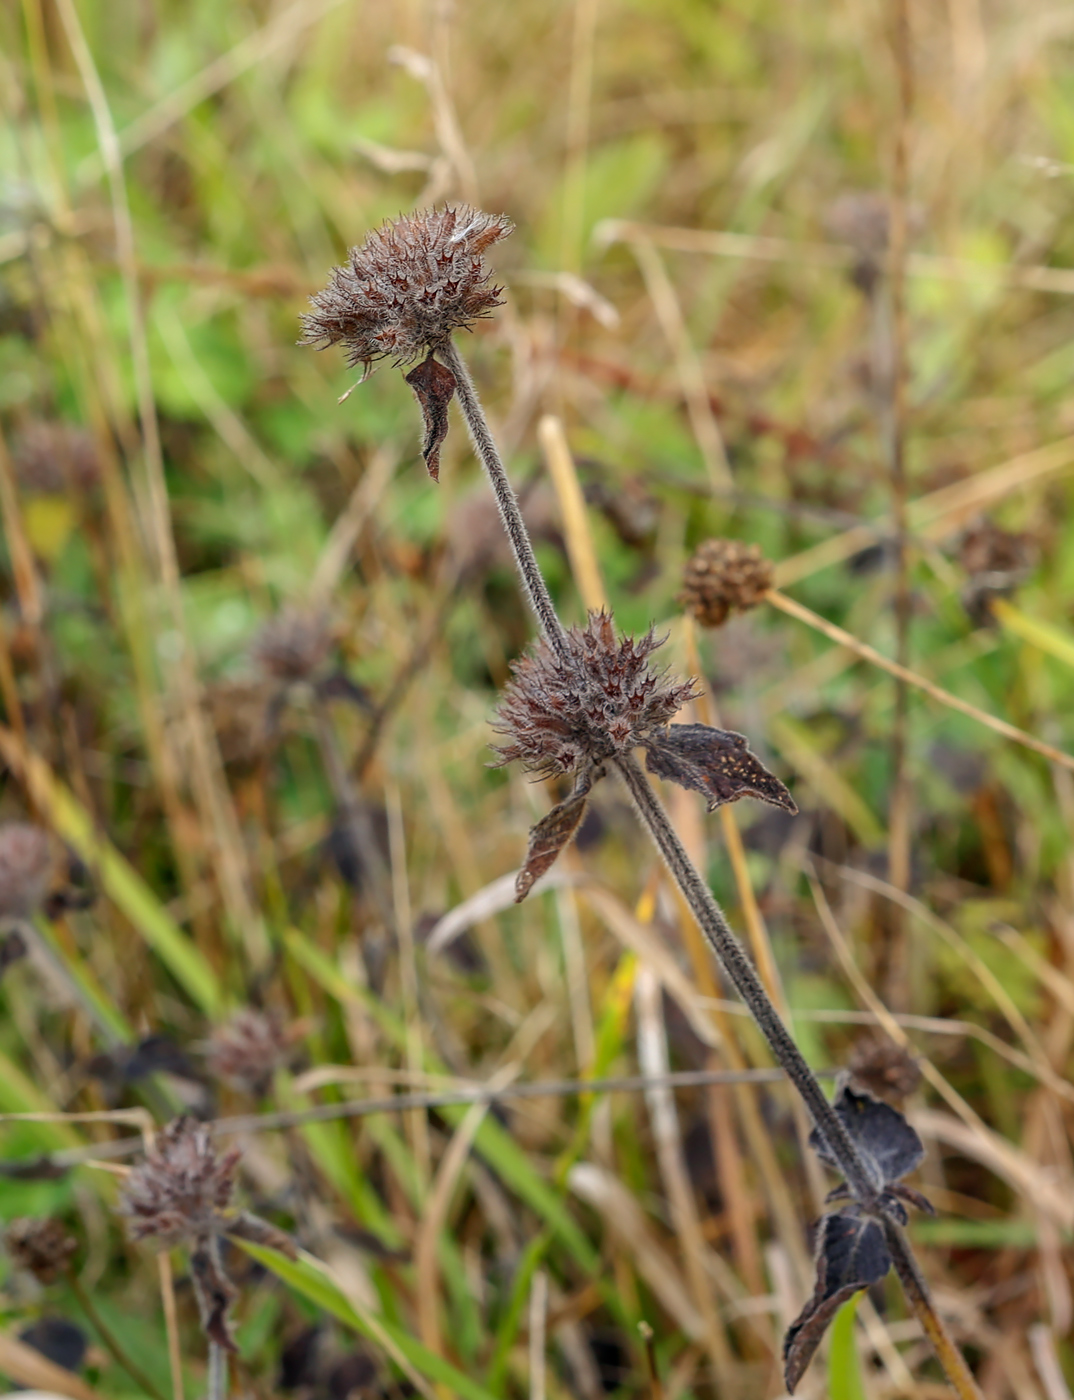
(50, 458)
(247, 1051)
(42, 1246)
(724, 577)
(580, 701)
(26, 869)
(293, 646)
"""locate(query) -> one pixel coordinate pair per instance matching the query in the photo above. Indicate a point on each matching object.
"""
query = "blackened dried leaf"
(215, 1293)
(716, 762)
(851, 1255)
(257, 1231)
(434, 386)
(551, 834)
(881, 1133)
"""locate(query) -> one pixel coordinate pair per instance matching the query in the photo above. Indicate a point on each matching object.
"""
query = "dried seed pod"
(180, 1193)
(247, 1052)
(604, 698)
(884, 1068)
(42, 1247)
(722, 577)
(411, 284)
(50, 458)
(294, 645)
(26, 869)
(996, 562)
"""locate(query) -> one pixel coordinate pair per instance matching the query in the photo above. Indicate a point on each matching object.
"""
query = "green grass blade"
(844, 1365)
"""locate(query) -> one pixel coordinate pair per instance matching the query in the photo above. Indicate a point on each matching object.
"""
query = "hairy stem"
(217, 1381)
(917, 1295)
(533, 584)
(735, 962)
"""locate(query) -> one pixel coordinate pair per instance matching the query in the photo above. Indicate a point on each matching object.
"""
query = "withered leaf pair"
(851, 1251)
(714, 762)
(434, 388)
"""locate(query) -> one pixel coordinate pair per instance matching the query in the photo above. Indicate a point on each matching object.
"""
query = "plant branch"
(920, 1300)
(533, 584)
(735, 962)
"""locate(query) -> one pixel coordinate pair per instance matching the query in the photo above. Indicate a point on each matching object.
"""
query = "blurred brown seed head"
(884, 1068)
(50, 458)
(26, 868)
(182, 1189)
(42, 1247)
(294, 645)
(722, 577)
(411, 284)
(247, 1052)
(603, 700)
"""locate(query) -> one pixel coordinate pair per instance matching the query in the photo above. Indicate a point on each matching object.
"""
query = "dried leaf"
(716, 762)
(251, 1227)
(851, 1255)
(215, 1293)
(434, 386)
(881, 1134)
(551, 834)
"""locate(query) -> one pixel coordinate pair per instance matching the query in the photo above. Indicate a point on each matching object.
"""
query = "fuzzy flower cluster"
(602, 700)
(293, 645)
(722, 577)
(247, 1051)
(411, 284)
(181, 1192)
(26, 867)
(43, 1247)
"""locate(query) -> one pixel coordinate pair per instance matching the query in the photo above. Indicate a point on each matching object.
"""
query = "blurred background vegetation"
(249, 653)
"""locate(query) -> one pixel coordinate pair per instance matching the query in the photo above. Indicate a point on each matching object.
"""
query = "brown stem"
(533, 584)
(920, 1300)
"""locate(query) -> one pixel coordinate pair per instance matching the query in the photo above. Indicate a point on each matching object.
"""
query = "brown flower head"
(722, 577)
(411, 284)
(26, 867)
(247, 1052)
(41, 1246)
(884, 1068)
(181, 1192)
(996, 561)
(605, 698)
(403, 293)
(50, 458)
(294, 645)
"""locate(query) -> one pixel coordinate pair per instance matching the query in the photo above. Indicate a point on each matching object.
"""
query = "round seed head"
(293, 645)
(246, 1052)
(26, 865)
(40, 1246)
(884, 1068)
(722, 577)
(182, 1189)
(50, 458)
(603, 700)
(411, 284)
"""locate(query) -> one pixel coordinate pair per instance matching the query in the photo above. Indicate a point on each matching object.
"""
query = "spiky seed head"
(294, 645)
(26, 866)
(43, 1247)
(180, 1193)
(601, 700)
(412, 283)
(247, 1051)
(52, 457)
(884, 1068)
(722, 577)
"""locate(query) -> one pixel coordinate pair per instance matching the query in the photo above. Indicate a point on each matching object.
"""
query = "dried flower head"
(294, 645)
(996, 561)
(601, 700)
(180, 1193)
(411, 284)
(26, 868)
(884, 1068)
(247, 1051)
(50, 458)
(722, 577)
(43, 1247)
(403, 293)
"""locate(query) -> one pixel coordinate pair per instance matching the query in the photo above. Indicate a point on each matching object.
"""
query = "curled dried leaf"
(551, 834)
(851, 1254)
(257, 1231)
(434, 387)
(715, 762)
(215, 1294)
